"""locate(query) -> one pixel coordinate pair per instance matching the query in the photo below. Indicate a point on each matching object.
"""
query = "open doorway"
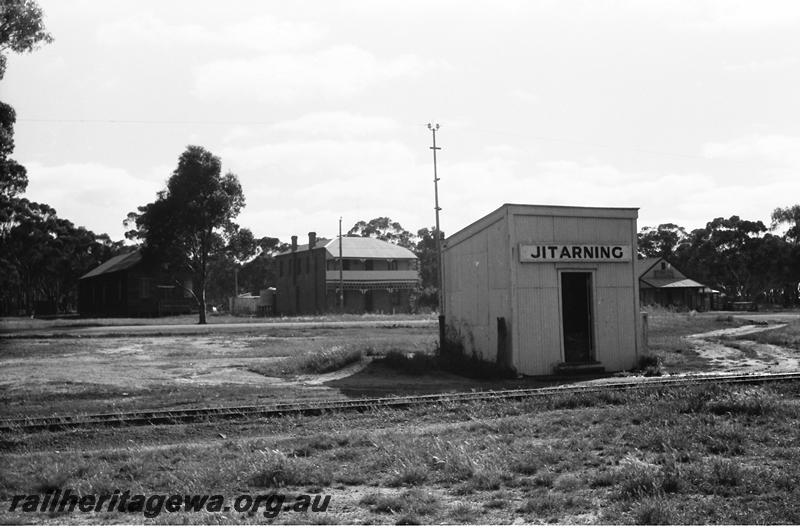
(576, 316)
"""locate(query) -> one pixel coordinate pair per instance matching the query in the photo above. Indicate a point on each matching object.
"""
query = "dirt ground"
(743, 355)
(80, 374)
(67, 374)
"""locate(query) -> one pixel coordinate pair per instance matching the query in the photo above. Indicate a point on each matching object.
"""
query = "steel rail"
(316, 407)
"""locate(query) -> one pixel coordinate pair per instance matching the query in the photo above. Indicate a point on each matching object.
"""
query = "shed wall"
(538, 336)
(477, 289)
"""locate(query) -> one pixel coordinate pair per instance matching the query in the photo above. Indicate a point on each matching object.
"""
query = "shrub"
(650, 365)
(639, 480)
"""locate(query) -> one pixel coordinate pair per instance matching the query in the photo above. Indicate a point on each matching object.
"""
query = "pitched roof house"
(376, 276)
(663, 284)
(127, 286)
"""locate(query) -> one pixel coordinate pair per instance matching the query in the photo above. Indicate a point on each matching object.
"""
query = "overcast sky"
(689, 110)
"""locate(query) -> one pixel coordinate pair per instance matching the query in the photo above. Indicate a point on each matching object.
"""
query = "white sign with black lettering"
(574, 253)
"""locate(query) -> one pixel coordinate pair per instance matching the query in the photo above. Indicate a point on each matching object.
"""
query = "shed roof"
(118, 263)
(543, 210)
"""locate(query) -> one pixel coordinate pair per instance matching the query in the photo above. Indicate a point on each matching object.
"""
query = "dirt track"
(746, 355)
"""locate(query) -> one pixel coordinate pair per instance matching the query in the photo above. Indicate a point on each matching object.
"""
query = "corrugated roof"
(118, 263)
(359, 247)
(367, 247)
(643, 265)
(304, 247)
(672, 283)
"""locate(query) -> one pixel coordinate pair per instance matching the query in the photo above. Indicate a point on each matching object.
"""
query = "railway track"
(178, 416)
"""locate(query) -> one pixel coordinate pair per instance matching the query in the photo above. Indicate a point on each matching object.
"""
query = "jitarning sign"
(575, 253)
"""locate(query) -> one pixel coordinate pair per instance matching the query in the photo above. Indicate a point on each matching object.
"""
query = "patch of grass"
(543, 505)
(567, 482)
(415, 501)
(53, 479)
(575, 400)
(787, 336)
(412, 475)
(654, 512)
(751, 402)
(321, 361)
(304, 447)
(276, 470)
(660, 457)
(464, 514)
(637, 480)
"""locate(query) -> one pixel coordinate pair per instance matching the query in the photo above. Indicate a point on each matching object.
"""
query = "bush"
(650, 365)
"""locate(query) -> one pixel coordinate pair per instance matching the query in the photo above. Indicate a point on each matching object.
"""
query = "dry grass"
(699, 455)
(787, 336)
(327, 359)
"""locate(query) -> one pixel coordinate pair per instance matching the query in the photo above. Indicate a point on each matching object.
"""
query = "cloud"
(744, 15)
(778, 150)
(341, 71)
(757, 66)
(259, 33)
(91, 195)
(338, 124)
(525, 96)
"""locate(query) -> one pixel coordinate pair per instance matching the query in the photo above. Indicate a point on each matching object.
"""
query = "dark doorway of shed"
(576, 314)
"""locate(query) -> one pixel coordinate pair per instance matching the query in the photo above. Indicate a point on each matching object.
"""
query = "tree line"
(743, 259)
(190, 228)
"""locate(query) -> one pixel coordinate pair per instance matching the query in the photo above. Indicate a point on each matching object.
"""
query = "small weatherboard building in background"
(129, 286)
(545, 289)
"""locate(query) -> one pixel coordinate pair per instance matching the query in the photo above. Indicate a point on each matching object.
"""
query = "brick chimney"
(312, 240)
(294, 243)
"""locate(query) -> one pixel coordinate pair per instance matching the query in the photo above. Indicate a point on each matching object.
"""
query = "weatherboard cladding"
(485, 280)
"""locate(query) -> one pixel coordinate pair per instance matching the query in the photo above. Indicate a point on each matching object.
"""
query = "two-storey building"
(376, 276)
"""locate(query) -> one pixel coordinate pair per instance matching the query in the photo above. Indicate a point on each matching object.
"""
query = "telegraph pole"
(438, 234)
(341, 274)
